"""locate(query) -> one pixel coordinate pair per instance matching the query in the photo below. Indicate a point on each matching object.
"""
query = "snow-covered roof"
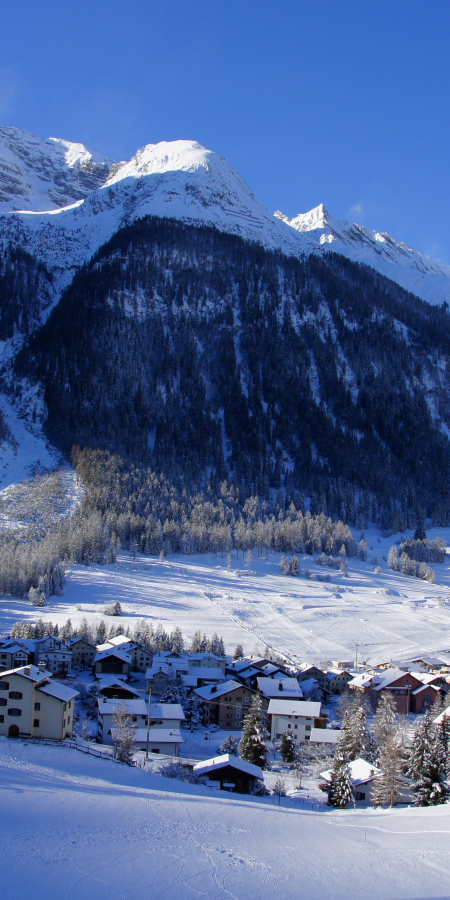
(211, 691)
(14, 647)
(120, 639)
(361, 772)
(107, 681)
(33, 673)
(227, 759)
(205, 655)
(388, 677)
(280, 687)
(84, 640)
(120, 652)
(157, 735)
(59, 691)
(107, 706)
(362, 680)
(425, 687)
(437, 721)
(214, 674)
(166, 711)
(324, 735)
(306, 708)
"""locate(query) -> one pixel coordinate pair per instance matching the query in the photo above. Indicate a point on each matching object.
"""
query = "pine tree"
(238, 653)
(423, 741)
(230, 745)
(123, 734)
(193, 713)
(385, 720)
(287, 747)
(252, 746)
(340, 792)
(355, 740)
(431, 788)
(388, 786)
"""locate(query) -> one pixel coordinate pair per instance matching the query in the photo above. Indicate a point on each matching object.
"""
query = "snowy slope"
(84, 829)
(38, 174)
(412, 270)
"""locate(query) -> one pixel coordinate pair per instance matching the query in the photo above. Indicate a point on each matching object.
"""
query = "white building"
(33, 705)
(297, 716)
(136, 709)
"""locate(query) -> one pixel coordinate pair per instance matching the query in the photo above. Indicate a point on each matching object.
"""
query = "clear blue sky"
(344, 102)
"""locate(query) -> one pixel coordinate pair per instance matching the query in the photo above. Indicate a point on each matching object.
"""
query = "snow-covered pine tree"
(123, 734)
(193, 713)
(230, 745)
(385, 720)
(423, 741)
(238, 653)
(355, 739)
(340, 792)
(387, 787)
(431, 788)
(252, 745)
(287, 747)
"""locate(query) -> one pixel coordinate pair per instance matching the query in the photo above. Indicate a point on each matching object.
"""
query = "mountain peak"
(318, 217)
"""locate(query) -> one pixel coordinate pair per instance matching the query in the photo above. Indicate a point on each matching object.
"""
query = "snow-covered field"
(77, 828)
(386, 615)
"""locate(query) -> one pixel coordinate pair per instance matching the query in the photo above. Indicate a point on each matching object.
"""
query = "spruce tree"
(423, 741)
(123, 734)
(340, 792)
(252, 746)
(287, 747)
(385, 720)
(230, 745)
(431, 788)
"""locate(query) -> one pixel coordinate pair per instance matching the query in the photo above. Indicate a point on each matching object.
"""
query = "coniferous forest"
(205, 357)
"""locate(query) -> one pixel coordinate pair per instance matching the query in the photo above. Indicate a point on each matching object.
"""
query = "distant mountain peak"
(318, 217)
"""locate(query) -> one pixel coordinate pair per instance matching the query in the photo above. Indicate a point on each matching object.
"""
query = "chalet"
(229, 773)
(407, 689)
(115, 689)
(15, 653)
(107, 709)
(306, 672)
(32, 704)
(140, 659)
(197, 677)
(112, 661)
(55, 654)
(227, 704)
(83, 653)
(336, 680)
(206, 660)
(362, 777)
(297, 716)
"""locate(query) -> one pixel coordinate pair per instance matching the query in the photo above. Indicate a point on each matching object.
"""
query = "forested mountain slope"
(195, 351)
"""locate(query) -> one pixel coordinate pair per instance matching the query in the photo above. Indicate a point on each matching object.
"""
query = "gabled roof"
(324, 735)
(157, 735)
(166, 711)
(120, 639)
(214, 691)
(31, 673)
(227, 759)
(85, 641)
(307, 708)
(119, 652)
(59, 691)
(361, 772)
(288, 688)
(107, 706)
(107, 681)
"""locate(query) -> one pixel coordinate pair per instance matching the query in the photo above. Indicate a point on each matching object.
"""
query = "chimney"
(213, 689)
(41, 666)
(27, 670)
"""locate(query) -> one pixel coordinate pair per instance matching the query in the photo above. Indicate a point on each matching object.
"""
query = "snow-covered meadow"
(382, 615)
(86, 829)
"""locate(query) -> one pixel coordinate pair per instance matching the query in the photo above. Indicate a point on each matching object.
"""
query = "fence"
(73, 745)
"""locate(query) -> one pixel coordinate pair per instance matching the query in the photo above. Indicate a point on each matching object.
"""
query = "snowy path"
(81, 829)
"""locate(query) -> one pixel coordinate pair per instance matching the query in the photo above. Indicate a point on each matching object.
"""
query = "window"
(3, 701)
(37, 706)
(2, 719)
(14, 712)
(36, 723)
(307, 727)
(4, 685)
(15, 695)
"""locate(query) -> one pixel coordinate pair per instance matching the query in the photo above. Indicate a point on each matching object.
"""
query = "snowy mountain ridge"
(62, 202)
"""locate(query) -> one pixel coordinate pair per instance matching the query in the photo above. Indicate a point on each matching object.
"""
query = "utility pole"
(148, 721)
(356, 654)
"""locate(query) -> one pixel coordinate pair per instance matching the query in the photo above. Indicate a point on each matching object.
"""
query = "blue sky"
(345, 103)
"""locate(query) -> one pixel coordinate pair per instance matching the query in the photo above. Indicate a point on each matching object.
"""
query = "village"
(250, 725)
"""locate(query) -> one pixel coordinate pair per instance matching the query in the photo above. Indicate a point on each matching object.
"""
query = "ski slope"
(77, 828)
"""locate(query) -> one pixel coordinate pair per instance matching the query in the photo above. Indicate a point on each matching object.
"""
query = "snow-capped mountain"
(38, 174)
(62, 202)
(414, 271)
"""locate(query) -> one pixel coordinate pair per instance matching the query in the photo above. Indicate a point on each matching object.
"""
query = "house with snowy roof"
(107, 709)
(229, 773)
(279, 688)
(111, 661)
(336, 680)
(33, 704)
(362, 777)
(115, 689)
(55, 653)
(139, 658)
(226, 704)
(15, 653)
(83, 652)
(160, 740)
(408, 689)
(298, 717)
